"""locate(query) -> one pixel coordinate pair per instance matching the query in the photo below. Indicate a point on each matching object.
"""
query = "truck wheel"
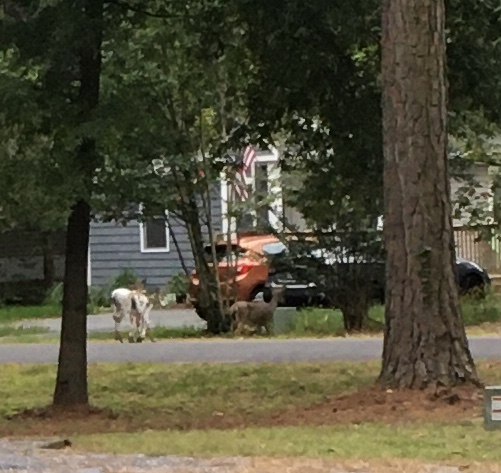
(201, 312)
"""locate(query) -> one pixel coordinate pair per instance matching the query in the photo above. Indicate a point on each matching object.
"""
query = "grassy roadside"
(10, 314)
(298, 409)
(424, 441)
(181, 392)
(481, 317)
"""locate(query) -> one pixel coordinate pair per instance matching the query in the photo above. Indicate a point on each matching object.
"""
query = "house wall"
(21, 256)
(114, 247)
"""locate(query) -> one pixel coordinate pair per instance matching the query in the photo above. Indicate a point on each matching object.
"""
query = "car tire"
(473, 285)
(201, 312)
(257, 294)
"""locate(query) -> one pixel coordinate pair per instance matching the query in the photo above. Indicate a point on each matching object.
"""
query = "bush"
(98, 296)
(179, 285)
(127, 277)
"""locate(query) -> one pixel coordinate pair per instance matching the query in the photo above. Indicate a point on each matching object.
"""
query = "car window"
(276, 248)
(222, 254)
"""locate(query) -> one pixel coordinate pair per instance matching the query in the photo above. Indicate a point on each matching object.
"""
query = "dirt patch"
(369, 405)
(387, 406)
(58, 413)
(55, 420)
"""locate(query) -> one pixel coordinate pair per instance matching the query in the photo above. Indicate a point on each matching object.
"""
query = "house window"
(154, 235)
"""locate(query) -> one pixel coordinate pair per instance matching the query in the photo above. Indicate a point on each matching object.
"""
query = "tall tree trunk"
(425, 342)
(71, 381)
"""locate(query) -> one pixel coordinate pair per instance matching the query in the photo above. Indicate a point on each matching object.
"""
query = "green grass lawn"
(15, 313)
(184, 391)
(428, 442)
(214, 409)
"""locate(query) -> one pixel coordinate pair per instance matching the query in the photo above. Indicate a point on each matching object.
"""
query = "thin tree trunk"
(208, 295)
(206, 197)
(425, 342)
(71, 381)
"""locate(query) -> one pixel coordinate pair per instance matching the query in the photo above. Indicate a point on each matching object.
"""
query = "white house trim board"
(142, 242)
(270, 158)
(89, 268)
(275, 189)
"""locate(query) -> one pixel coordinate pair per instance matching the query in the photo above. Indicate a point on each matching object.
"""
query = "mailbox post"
(492, 407)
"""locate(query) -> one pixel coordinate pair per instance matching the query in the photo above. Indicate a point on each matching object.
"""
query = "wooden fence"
(478, 246)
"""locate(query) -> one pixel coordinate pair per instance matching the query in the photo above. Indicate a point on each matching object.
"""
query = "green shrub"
(178, 284)
(98, 297)
(127, 277)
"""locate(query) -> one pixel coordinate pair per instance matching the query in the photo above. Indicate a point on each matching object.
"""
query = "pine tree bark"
(425, 342)
(71, 381)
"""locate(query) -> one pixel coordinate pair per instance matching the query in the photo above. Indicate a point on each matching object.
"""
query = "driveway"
(230, 351)
(173, 318)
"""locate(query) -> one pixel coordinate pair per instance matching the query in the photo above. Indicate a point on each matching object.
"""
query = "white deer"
(135, 305)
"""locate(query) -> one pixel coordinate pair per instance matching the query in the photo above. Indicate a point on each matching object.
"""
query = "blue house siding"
(114, 248)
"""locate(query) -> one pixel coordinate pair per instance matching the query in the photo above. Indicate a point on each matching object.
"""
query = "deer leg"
(239, 328)
(118, 319)
(267, 328)
(146, 323)
(233, 324)
(133, 324)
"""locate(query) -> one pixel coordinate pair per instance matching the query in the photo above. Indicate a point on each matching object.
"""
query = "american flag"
(248, 160)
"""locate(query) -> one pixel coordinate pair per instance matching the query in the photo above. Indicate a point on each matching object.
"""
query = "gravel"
(27, 456)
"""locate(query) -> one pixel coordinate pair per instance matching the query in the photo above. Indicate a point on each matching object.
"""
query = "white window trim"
(89, 265)
(142, 241)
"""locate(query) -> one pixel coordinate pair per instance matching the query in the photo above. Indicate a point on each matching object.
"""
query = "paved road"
(229, 351)
(103, 322)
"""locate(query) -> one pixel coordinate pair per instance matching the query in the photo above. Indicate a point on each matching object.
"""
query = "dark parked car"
(301, 276)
